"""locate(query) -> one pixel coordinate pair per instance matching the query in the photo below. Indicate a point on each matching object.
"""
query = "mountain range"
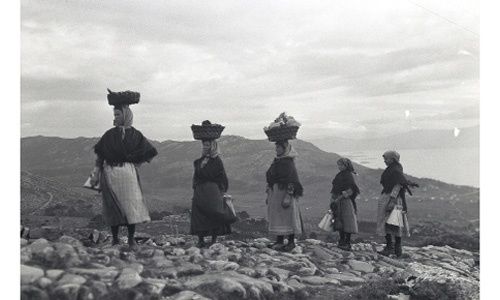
(167, 179)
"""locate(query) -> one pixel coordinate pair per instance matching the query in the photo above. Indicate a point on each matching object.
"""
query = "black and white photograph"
(258, 150)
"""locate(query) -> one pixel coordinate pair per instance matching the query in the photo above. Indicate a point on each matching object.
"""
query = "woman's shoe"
(346, 247)
(388, 250)
(288, 247)
(132, 244)
(277, 246)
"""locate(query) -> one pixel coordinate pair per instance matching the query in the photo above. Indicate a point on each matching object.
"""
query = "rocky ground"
(172, 267)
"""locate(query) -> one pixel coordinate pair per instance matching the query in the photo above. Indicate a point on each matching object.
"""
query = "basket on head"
(123, 98)
(207, 131)
(282, 133)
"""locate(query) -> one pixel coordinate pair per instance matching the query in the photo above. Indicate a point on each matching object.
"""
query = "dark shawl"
(133, 148)
(392, 176)
(344, 181)
(283, 172)
(213, 171)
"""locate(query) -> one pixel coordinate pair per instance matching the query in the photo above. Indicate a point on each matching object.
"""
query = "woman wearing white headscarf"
(394, 189)
(343, 203)
(209, 214)
(284, 190)
(119, 151)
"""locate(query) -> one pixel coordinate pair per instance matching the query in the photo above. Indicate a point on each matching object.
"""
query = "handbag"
(396, 217)
(287, 201)
(88, 182)
(326, 222)
(229, 202)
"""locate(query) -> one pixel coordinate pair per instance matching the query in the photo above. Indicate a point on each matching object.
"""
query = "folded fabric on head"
(122, 98)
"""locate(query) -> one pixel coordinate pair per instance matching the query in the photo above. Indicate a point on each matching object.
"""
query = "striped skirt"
(123, 202)
(283, 221)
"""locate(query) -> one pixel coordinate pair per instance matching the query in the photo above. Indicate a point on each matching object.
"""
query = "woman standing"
(343, 203)
(283, 190)
(394, 186)
(210, 216)
(119, 152)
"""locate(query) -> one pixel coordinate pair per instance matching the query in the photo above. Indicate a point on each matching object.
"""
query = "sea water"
(456, 166)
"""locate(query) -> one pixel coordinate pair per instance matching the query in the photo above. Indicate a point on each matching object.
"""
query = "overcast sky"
(342, 68)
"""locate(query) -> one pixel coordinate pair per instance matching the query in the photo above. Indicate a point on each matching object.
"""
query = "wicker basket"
(207, 132)
(123, 98)
(282, 133)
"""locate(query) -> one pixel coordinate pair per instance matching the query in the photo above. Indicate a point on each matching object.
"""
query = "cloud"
(244, 62)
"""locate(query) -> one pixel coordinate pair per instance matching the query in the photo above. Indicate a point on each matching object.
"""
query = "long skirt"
(345, 218)
(283, 221)
(123, 202)
(209, 213)
(382, 216)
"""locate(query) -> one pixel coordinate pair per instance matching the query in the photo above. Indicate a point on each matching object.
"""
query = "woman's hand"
(391, 204)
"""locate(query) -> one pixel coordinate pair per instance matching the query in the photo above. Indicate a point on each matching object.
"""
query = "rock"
(317, 280)
(44, 282)
(54, 274)
(71, 278)
(154, 286)
(179, 251)
(162, 262)
(70, 240)
(360, 266)
(346, 279)
(262, 240)
(295, 284)
(128, 278)
(30, 274)
(94, 236)
(29, 292)
(297, 250)
(189, 269)
(218, 248)
(313, 241)
(187, 295)
(247, 271)
(105, 274)
(98, 288)
(229, 285)
(220, 265)
(321, 253)
(111, 252)
(430, 282)
(193, 251)
(64, 256)
(26, 255)
(281, 274)
(24, 242)
(67, 291)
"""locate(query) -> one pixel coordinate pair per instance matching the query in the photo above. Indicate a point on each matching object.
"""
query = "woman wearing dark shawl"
(210, 216)
(283, 185)
(394, 186)
(343, 203)
(119, 152)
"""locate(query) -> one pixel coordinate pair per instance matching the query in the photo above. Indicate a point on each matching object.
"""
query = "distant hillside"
(167, 180)
(43, 196)
(415, 139)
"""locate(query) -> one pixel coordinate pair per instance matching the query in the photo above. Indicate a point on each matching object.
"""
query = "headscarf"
(346, 162)
(212, 152)
(289, 151)
(391, 154)
(128, 118)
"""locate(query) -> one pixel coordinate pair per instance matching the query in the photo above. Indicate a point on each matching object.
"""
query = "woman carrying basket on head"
(283, 185)
(210, 215)
(343, 203)
(119, 152)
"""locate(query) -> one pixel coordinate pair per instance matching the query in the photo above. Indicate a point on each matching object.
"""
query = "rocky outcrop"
(169, 267)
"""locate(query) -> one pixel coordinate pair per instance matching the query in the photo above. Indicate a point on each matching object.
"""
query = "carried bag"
(88, 182)
(287, 201)
(326, 222)
(229, 202)
(396, 217)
